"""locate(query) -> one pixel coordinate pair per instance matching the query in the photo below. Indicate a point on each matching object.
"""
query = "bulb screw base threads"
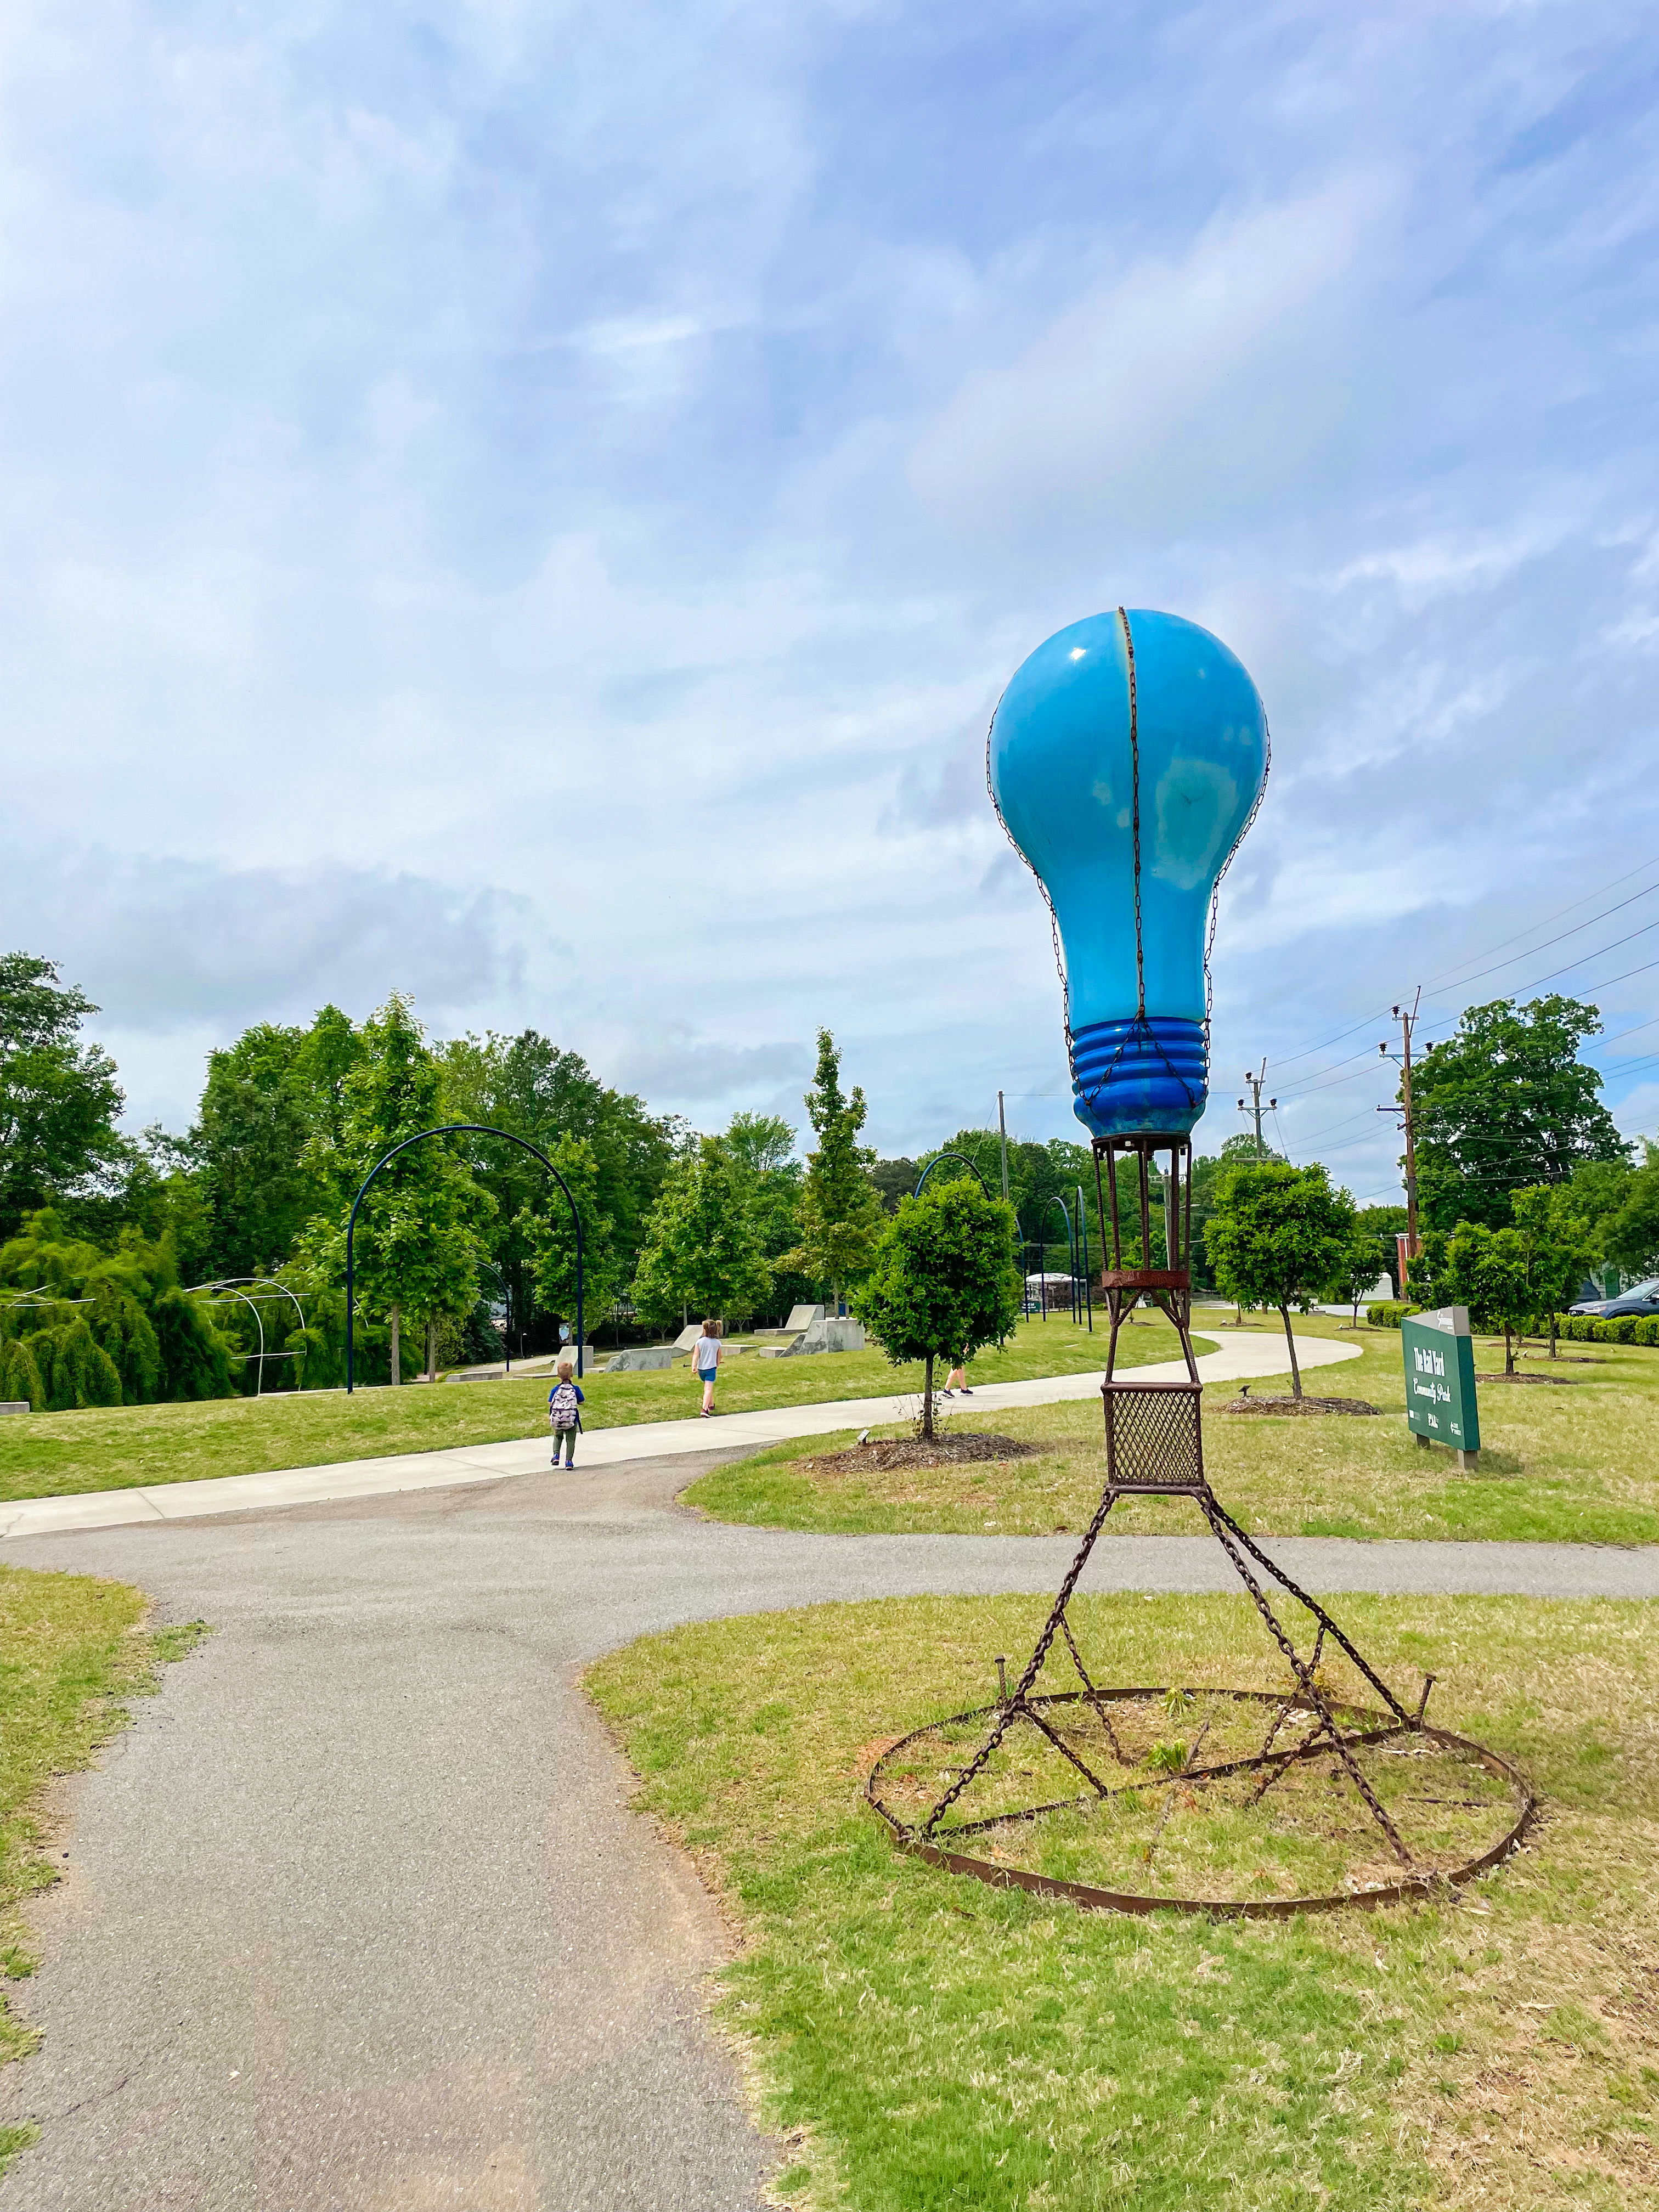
(1149, 1074)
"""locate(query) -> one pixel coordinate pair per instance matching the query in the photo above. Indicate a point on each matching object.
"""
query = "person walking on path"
(957, 1379)
(565, 1401)
(706, 1356)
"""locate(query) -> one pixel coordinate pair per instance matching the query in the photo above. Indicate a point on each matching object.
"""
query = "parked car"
(1641, 1298)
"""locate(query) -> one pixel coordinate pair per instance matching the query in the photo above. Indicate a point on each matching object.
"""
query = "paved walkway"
(354, 1918)
(1236, 1360)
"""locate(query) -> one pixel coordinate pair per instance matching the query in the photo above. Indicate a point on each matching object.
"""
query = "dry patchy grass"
(1577, 1466)
(921, 2040)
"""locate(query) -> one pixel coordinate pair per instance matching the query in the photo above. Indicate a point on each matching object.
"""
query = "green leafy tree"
(531, 1087)
(60, 1098)
(1357, 1272)
(944, 1282)
(1505, 1103)
(160, 1344)
(1629, 1235)
(762, 1148)
(420, 1233)
(894, 1180)
(552, 1235)
(1558, 1245)
(1384, 1223)
(1486, 1270)
(841, 1215)
(1278, 1233)
(271, 1123)
(701, 1255)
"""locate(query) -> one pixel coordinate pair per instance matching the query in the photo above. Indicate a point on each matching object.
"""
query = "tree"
(1486, 1270)
(267, 1099)
(1558, 1245)
(1629, 1236)
(1276, 1234)
(700, 1253)
(841, 1214)
(552, 1233)
(1356, 1271)
(894, 1180)
(419, 1236)
(1384, 1224)
(1506, 1104)
(60, 1099)
(762, 1149)
(532, 1088)
(944, 1281)
(158, 1343)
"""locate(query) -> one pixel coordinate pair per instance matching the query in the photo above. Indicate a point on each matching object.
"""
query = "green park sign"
(1440, 1400)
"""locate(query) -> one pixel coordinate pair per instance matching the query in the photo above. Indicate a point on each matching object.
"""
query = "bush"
(74, 1371)
(1388, 1313)
(19, 1378)
(1590, 1328)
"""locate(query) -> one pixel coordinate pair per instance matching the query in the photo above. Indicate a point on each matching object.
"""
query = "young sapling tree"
(944, 1282)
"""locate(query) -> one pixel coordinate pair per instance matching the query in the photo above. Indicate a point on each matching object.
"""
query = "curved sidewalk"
(1242, 1359)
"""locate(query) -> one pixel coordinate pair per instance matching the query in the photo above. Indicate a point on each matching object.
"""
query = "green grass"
(71, 1647)
(1577, 1464)
(920, 2041)
(54, 1455)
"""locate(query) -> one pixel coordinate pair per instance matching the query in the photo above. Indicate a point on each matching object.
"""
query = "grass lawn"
(51, 1455)
(921, 2041)
(1577, 1464)
(71, 1647)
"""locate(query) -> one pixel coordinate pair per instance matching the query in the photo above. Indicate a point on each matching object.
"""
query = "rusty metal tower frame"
(1154, 1448)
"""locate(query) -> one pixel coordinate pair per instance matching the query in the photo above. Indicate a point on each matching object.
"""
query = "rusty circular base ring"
(1409, 1888)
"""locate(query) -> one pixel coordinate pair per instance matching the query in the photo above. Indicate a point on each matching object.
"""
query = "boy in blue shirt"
(564, 1404)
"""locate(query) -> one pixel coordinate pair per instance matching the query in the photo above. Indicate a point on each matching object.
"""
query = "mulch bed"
(1550, 1381)
(897, 1452)
(1294, 1407)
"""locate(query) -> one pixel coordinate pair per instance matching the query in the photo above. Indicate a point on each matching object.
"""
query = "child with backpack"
(564, 1414)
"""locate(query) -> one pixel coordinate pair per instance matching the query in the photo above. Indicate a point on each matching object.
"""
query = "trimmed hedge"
(1577, 1328)
(1629, 1328)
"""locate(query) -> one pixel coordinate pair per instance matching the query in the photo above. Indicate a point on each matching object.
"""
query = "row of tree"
(462, 1236)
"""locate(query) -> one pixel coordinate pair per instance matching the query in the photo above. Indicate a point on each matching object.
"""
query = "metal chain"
(1310, 1689)
(1215, 895)
(1134, 806)
(1091, 1692)
(1108, 1500)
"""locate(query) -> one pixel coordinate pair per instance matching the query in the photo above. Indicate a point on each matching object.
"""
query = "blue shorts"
(705, 1374)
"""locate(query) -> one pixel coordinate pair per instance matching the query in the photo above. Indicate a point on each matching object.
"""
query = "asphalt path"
(355, 1916)
(1234, 1360)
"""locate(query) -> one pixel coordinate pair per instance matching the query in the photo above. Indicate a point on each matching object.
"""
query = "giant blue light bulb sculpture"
(1127, 757)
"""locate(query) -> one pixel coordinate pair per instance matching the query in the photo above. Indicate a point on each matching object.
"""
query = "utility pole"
(1407, 1021)
(1253, 1110)
(1002, 1132)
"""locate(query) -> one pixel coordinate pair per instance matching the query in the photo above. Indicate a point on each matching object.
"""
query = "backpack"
(561, 1407)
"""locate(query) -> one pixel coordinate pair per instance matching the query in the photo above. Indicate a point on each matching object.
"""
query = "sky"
(535, 506)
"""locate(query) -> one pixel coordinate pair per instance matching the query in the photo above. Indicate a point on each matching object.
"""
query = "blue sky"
(535, 507)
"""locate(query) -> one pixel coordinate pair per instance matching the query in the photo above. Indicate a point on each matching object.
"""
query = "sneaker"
(966, 1392)
(947, 1393)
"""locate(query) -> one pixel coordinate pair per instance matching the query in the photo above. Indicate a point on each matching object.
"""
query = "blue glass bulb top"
(1126, 766)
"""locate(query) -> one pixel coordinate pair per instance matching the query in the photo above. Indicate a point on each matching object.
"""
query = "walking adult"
(706, 1355)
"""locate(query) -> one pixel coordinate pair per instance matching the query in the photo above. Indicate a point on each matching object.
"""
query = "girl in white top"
(705, 1362)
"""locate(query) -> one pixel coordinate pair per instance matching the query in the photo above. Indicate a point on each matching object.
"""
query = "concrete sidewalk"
(1241, 1359)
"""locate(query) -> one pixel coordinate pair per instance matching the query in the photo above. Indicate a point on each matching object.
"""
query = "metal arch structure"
(229, 1284)
(937, 1159)
(1054, 1199)
(455, 1129)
